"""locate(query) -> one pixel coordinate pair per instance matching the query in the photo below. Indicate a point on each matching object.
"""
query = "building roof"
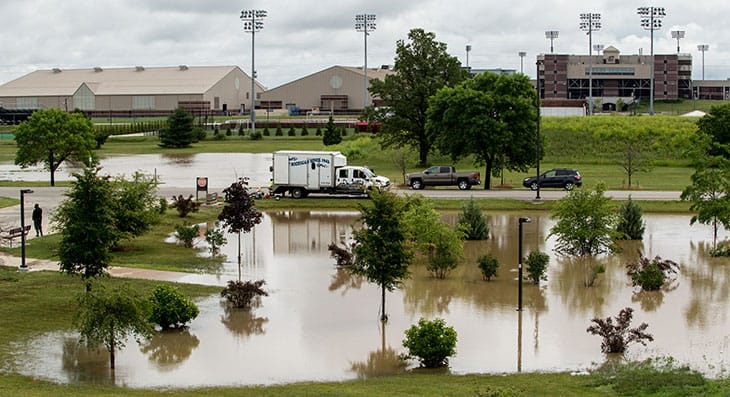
(373, 73)
(118, 81)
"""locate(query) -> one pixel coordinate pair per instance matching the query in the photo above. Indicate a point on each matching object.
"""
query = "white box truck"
(302, 172)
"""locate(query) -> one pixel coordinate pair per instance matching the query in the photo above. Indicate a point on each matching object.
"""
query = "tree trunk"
(423, 154)
(488, 174)
(111, 351)
(383, 317)
(52, 166)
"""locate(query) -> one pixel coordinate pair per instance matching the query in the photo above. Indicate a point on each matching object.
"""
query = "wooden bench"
(12, 234)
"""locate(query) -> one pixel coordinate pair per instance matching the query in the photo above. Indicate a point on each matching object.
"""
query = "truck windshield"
(369, 173)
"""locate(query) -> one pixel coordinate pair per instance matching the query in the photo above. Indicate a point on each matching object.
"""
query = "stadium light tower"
(651, 20)
(598, 48)
(252, 23)
(703, 48)
(552, 35)
(677, 34)
(365, 23)
(590, 22)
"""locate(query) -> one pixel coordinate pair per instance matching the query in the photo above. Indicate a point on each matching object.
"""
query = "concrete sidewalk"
(122, 272)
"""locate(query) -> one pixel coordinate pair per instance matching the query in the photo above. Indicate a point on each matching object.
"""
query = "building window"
(26, 103)
(84, 99)
(143, 103)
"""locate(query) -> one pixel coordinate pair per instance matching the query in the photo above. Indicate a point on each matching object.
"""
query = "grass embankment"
(35, 303)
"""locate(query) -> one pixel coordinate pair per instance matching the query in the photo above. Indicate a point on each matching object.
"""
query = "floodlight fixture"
(590, 22)
(552, 35)
(365, 23)
(651, 20)
(677, 34)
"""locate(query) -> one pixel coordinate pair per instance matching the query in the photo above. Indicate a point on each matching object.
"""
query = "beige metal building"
(135, 89)
(336, 89)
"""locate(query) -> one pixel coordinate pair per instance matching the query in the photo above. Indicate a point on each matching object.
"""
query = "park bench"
(13, 233)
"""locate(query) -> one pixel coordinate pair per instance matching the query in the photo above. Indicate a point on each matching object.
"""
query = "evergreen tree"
(179, 132)
(630, 223)
(473, 222)
(331, 135)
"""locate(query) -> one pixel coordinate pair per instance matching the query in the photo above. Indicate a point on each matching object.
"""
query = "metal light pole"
(468, 50)
(23, 192)
(522, 58)
(523, 219)
(365, 23)
(590, 22)
(598, 48)
(252, 23)
(703, 48)
(552, 35)
(651, 20)
(677, 34)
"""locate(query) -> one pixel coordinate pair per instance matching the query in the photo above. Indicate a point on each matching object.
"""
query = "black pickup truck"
(441, 175)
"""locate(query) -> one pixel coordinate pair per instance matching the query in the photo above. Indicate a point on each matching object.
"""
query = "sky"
(300, 38)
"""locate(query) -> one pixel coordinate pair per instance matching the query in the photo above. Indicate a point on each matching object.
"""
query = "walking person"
(38, 220)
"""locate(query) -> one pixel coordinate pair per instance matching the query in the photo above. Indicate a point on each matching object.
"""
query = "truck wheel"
(297, 193)
(416, 184)
(463, 184)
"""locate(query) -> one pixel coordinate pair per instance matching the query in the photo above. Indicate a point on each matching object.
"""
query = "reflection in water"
(343, 278)
(380, 362)
(179, 159)
(243, 322)
(169, 348)
(318, 322)
(83, 365)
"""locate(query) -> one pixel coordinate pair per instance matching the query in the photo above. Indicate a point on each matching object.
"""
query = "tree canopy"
(492, 117)
(52, 136)
(423, 66)
(240, 213)
(716, 125)
(709, 194)
(179, 132)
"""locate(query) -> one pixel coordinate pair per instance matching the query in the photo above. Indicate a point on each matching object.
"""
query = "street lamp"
(677, 34)
(552, 35)
(365, 23)
(651, 20)
(703, 48)
(23, 192)
(252, 23)
(590, 22)
(523, 219)
(522, 57)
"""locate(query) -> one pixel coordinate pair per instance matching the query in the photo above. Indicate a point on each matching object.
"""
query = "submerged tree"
(381, 252)
(244, 295)
(630, 223)
(473, 222)
(709, 194)
(108, 317)
(617, 337)
(239, 213)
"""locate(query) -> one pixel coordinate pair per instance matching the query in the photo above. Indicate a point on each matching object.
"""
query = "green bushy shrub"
(171, 308)
(187, 234)
(537, 263)
(431, 342)
(630, 224)
(473, 222)
(488, 264)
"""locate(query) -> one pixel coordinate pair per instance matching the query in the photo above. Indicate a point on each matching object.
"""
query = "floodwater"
(321, 324)
(173, 170)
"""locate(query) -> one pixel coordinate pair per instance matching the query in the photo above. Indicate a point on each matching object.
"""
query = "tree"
(108, 317)
(586, 223)
(51, 136)
(170, 308)
(488, 264)
(492, 117)
(536, 264)
(633, 146)
(87, 223)
(473, 222)
(423, 67)
(715, 125)
(179, 132)
(709, 194)
(244, 295)
(432, 342)
(630, 223)
(135, 205)
(239, 213)
(184, 206)
(616, 338)
(331, 135)
(651, 274)
(381, 251)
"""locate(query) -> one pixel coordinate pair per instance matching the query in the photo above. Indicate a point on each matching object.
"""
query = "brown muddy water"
(321, 324)
(173, 170)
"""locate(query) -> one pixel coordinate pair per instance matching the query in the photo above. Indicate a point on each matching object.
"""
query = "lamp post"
(677, 34)
(523, 219)
(590, 22)
(23, 192)
(598, 48)
(703, 48)
(365, 23)
(651, 20)
(552, 35)
(468, 50)
(522, 58)
(252, 23)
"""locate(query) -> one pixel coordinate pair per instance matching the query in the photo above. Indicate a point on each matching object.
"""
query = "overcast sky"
(302, 37)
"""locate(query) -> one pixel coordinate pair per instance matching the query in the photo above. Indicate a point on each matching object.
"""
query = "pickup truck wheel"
(533, 186)
(416, 184)
(569, 186)
(297, 193)
(463, 184)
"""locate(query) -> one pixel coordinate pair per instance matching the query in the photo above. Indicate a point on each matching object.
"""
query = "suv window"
(550, 173)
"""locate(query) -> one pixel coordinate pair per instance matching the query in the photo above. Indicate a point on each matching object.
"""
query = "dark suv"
(567, 178)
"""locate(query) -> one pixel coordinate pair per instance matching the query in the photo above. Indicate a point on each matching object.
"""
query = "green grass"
(681, 106)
